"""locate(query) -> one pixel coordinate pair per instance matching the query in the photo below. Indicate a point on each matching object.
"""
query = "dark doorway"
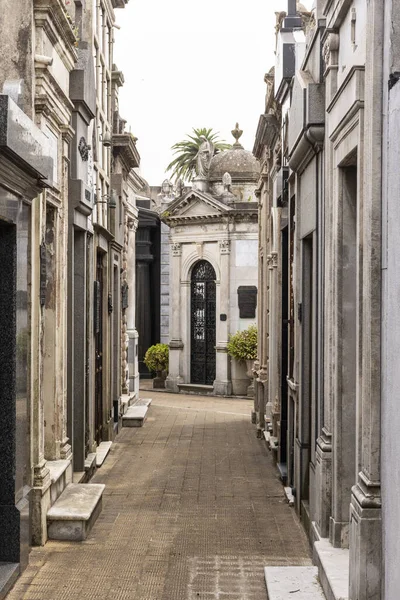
(284, 353)
(98, 330)
(203, 292)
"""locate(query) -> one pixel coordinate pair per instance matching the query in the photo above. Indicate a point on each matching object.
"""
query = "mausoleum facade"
(213, 241)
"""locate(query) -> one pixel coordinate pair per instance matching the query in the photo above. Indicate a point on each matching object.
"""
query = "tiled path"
(193, 510)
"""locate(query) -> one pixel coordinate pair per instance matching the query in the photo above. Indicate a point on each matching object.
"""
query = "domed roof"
(238, 162)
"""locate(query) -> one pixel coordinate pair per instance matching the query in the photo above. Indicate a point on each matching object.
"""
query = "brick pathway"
(192, 510)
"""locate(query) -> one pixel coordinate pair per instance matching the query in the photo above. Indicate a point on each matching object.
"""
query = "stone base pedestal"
(323, 484)
(172, 383)
(222, 388)
(365, 543)
(41, 502)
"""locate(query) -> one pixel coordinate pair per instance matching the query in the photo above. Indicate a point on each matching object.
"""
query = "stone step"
(333, 566)
(300, 583)
(58, 477)
(8, 575)
(101, 452)
(289, 495)
(136, 414)
(195, 388)
(74, 513)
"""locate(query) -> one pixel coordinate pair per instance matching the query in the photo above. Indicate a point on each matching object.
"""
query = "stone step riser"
(74, 513)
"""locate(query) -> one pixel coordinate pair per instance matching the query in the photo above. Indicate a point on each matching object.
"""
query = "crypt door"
(202, 352)
(98, 320)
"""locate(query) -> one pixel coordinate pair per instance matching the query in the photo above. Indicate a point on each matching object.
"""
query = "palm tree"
(184, 164)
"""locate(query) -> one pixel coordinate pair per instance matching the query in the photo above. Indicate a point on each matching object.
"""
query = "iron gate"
(202, 360)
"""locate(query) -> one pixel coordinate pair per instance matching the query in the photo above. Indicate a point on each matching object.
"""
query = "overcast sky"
(192, 64)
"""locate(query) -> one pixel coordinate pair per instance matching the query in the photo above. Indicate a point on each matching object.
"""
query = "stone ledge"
(301, 582)
(102, 451)
(333, 567)
(58, 477)
(136, 414)
(126, 401)
(57, 468)
(9, 573)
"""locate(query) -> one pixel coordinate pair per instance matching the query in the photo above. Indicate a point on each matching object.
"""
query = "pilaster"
(222, 383)
(175, 344)
(365, 513)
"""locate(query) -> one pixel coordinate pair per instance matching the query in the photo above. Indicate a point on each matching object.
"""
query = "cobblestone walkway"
(192, 510)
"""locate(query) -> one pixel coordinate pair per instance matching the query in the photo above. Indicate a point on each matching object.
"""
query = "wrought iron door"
(202, 361)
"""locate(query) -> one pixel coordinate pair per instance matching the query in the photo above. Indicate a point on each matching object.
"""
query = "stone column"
(79, 350)
(176, 343)
(41, 474)
(274, 382)
(63, 442)
(365, 513)
(131, 332)
(323, 454)
(222, 383)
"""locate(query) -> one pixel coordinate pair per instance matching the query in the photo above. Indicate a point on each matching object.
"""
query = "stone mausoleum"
(213, 240)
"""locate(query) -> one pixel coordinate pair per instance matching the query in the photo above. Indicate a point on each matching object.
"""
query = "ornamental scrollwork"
(83, 149)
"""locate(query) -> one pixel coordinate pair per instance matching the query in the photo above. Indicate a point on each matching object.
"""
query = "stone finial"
(237, 133)
(167, 189)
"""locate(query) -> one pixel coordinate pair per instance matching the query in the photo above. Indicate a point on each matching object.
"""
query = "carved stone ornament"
(176, 249)
(225, 246)
(83, 149)
(330, 49)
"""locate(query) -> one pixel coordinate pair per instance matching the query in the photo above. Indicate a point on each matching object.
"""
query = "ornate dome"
(238, 162)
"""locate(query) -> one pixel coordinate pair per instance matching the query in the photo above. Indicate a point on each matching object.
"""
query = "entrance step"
(74, 513)
(8, 575)
(136, 414)
(333, 566)
(293, 582)
(101, 452)
(196, 388)
(58, 477)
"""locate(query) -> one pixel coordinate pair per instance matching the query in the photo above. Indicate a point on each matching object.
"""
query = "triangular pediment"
(197, 204)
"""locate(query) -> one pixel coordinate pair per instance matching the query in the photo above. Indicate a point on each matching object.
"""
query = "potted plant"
(242, 347)
(156, 360)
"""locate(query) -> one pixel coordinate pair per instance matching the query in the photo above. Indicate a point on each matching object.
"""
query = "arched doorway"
(202, 353)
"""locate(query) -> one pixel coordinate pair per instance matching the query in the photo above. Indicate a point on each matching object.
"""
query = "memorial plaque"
(247, 296)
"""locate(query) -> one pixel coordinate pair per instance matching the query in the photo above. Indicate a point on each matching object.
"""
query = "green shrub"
(156, 357)
(242, 345)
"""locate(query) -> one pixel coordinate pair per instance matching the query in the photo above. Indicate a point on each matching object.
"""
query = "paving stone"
(192, 510)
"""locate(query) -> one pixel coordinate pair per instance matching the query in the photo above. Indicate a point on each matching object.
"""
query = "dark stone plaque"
(247, 296)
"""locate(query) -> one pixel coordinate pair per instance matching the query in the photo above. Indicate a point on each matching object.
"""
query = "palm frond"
(183, 166)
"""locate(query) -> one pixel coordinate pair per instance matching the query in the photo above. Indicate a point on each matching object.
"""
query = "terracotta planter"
(159, 381)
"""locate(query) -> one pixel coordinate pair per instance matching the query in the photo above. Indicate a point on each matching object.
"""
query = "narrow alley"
(192, 509)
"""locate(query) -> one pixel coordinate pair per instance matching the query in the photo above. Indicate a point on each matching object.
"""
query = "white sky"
(192, 64)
